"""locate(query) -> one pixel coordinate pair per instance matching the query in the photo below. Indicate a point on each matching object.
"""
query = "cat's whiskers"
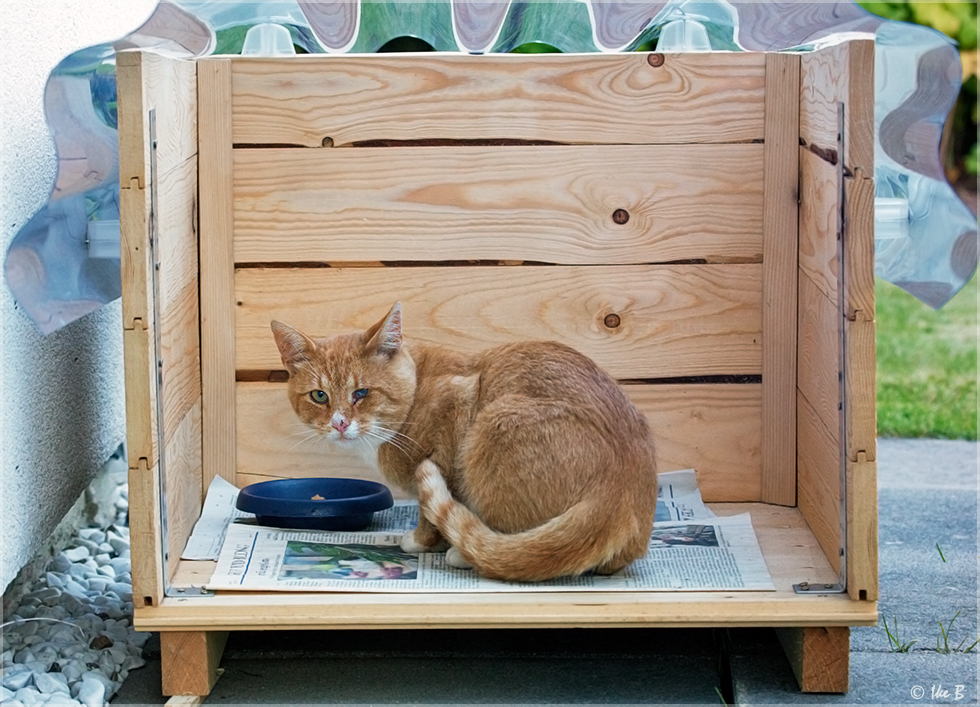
(400, 441)
(395, 434)
(393, 439)
(310, 435)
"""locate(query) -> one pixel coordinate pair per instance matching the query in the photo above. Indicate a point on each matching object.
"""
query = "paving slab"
(877, 678)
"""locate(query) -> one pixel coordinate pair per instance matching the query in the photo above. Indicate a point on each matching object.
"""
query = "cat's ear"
(385, 337)
(294, 347)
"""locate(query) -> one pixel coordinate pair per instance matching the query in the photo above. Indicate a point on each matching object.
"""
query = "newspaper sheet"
(690, 550)
(717, 555)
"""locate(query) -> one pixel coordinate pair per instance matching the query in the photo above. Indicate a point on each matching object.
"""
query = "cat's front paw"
(412, 545)
(454, 558)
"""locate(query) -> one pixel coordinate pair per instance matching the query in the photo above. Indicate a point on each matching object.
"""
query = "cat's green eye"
(319, 397)
(359, 394)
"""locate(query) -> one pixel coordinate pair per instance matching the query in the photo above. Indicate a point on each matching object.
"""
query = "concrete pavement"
(927, 497)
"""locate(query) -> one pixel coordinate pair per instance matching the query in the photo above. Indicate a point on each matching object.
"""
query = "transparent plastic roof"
(65, 263)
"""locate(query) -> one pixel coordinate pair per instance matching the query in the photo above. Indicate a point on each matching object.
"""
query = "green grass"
(927, 365)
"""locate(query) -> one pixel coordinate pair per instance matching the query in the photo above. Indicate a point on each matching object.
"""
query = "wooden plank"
(859, 294)
(819, 222)
(181, 355)
(818, 483)
(843, 73)
(141, 393)
(779, 274)
(862, 529)
(819, 656)
(145, 538)
(182, 469)
(294, 611)
(861, 420)
(819, 345)
(554, 204)
(714, 429)
(189, 661)
(617, 98)
(217, 267)
(150, 81)
(859, 249)
(134, 219)
(176, 229)
(679, 320)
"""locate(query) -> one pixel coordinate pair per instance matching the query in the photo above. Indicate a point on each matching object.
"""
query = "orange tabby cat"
(527, 458)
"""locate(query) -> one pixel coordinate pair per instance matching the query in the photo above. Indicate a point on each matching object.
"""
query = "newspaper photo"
(689, 550)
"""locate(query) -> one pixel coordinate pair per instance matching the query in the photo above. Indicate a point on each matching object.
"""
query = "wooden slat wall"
(841, 75)
(561, 97)
(713, 428)
(683, 271)
(547, 204)
(680, 320)
(167, 87)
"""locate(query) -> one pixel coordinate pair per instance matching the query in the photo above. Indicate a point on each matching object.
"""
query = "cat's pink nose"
(340, 425)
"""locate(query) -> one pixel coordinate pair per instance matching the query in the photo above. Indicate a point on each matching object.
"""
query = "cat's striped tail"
(580, 539)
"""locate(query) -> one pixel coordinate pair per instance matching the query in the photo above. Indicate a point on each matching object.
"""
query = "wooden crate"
(719, 205)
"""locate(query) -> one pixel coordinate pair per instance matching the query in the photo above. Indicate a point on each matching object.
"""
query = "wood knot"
(655, 59)
(612, 321)
(621, 216)
(327, 142)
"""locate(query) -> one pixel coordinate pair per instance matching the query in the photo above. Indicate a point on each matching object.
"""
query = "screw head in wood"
(612, 321)
(621, 216)
(655, 59)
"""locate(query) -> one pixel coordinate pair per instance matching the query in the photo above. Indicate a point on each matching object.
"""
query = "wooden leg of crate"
(189, 661)
(820, 656)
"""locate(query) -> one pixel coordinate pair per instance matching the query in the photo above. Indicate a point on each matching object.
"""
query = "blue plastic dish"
(318, 504)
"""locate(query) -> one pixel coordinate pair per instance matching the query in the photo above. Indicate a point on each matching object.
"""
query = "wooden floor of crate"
(789, 547)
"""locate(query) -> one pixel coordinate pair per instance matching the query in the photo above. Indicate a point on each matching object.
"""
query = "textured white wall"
(62, 397)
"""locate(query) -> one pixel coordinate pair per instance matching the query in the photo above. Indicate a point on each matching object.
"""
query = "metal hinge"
(819, 588)
(188, 592)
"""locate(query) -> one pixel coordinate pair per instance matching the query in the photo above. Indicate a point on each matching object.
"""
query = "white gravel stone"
(16, 680)
(95, 535)
(76, 554)
(76, 588)
(24, 655)
(121, 564)
(80, 571)
(50, 683)
(118, 655)
(44, 593)
(91, 692)
(28, 695)
(60, 563)
(97, 584)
